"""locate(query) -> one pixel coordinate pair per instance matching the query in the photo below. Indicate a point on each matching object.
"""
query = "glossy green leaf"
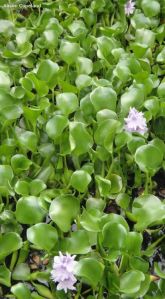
(80, 140)
(151, 9)
(130, 282)
(5, 276)
(148, 210)
(143, 158)
(63, 210)
(114, 236)
(29, 210)
(77, 243)
(47, 69)
(90, 220)
(20, 162)
(69, 51)
(67, 102)
(90, 270)
(84, 65)
(9, 243)
(56, 125)
(36, 232)
(21, 291)
(134, 97)
(27, 139)
(6, 175)
(21, 272)
(104, 185)
(103, 98)
(80, 180)
(134, 243)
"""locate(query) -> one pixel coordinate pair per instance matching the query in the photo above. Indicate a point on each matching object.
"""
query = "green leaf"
(5, 276)
(90, 220)
(145, 37)
(24, 51)
(9, 243)
(67, 102)
(63, 210)
(80, 140)
(19, 163)
(36, 232)
(22, 187)
(56, 125)
(143, 158)
(158, 127)
(134, 97)
(6, 176)
(77, 28)
(27, 139)
(161, 90)
(114, 218)
(47, 69)
(80, 180)
(123, 200)
(104, 185)
(130, 282)
(148, 210)
(21, 272)
(105, 46)
(83, 81)
(4, 80)
(36, 187)
(10, 112)
(69, 51)
(77, 243)
(21, 291)
(116, 183)
(114, 236)
(105, 133)
(134, 143)
(105, 114)
(29, 210)
(90, 270)
(137, 263)
(134, 243)
(151, 9)
(103, 98)
(84, 65)
(158, 271)
(95, 203)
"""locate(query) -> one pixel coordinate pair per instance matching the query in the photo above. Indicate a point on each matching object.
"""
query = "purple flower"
(63, 271)
(135, 122)
(129, 7)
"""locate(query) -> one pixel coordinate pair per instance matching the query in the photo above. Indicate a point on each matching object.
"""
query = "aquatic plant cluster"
(82, 114)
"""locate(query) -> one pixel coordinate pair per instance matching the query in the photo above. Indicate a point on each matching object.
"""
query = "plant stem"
(13, 260)
(153, 245)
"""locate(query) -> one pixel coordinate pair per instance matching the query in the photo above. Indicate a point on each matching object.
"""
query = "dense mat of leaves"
(82, 130)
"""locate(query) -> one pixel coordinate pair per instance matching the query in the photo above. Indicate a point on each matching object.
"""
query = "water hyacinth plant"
(82, 120)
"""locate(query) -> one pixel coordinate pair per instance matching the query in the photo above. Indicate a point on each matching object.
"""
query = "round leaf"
(63, 210)
(67, 102)
(130, 282)
(9, 243)
(103, 98)
(143, 158)
(29, 210)
(80, 180)
(90, 270)
(36, 232)
(56, 125)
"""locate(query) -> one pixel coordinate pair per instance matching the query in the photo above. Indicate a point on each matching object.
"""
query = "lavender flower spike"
(129, 7)
(135, 122)
(63, 271)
